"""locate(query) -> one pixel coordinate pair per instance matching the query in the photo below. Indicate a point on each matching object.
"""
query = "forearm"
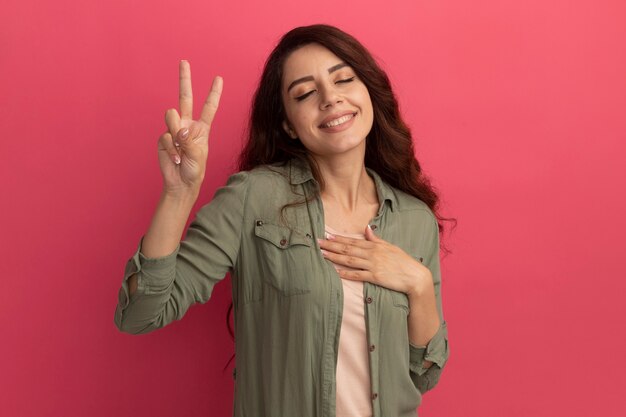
(428, 333)
(168, 224)
(166, 228)
(423, 320)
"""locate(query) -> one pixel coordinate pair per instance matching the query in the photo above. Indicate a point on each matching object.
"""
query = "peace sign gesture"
(184, 147)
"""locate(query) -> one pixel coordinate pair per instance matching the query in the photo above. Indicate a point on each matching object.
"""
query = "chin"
(347, 146)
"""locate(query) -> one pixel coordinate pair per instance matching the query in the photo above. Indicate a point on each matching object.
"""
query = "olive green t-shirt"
(288, 299)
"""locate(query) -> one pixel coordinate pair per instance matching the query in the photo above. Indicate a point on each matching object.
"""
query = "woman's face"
(327, 106)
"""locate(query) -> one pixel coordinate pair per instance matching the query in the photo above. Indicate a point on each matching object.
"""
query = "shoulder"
(263, 176)
(408, 205)
(265, 183)
(415, 226)
(409, 215)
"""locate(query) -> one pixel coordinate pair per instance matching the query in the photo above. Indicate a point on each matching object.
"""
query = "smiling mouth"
(339, 121)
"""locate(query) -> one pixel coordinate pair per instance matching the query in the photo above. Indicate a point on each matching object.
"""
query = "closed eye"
(302, 97)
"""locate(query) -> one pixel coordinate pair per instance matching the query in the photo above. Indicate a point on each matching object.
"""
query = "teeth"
(339, 121)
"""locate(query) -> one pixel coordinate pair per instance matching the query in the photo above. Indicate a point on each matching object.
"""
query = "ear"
(292, 134)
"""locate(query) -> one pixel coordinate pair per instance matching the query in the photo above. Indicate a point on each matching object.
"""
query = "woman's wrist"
(187, 194)
(168, 223)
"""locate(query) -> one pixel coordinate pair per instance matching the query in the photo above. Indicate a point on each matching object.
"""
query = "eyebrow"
(310, 78)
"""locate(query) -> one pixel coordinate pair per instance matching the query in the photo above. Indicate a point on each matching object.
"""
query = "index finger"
(185, 95)
(212, 101)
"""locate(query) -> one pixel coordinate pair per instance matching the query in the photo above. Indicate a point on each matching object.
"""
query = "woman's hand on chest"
(378, 262)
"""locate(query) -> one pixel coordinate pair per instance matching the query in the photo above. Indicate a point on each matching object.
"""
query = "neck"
(346, 182)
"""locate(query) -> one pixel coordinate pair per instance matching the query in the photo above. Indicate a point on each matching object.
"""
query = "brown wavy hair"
(389, 145)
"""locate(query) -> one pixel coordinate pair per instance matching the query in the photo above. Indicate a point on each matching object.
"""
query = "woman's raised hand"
(184, 147)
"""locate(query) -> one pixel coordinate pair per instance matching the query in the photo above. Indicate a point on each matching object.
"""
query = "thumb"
(369, 234)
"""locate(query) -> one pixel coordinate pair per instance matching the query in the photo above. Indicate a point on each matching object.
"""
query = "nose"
(329, 96)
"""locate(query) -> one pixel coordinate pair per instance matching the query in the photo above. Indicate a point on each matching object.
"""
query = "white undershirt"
(353, 369)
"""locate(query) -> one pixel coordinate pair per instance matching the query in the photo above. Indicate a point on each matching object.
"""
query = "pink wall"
(518, 108)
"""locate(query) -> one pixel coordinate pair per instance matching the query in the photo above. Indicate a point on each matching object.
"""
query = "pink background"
(518, 110)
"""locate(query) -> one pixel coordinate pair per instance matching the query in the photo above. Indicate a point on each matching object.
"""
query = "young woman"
(330, 232)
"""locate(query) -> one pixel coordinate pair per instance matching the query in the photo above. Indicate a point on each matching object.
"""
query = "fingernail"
(329, 236)
(184, 134)
(323, 252)
(177, 159)
(177, 144)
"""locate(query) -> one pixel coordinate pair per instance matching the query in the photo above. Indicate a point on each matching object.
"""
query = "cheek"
(368, 100)
(364, 99)
(302, 120)
(367, 107)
